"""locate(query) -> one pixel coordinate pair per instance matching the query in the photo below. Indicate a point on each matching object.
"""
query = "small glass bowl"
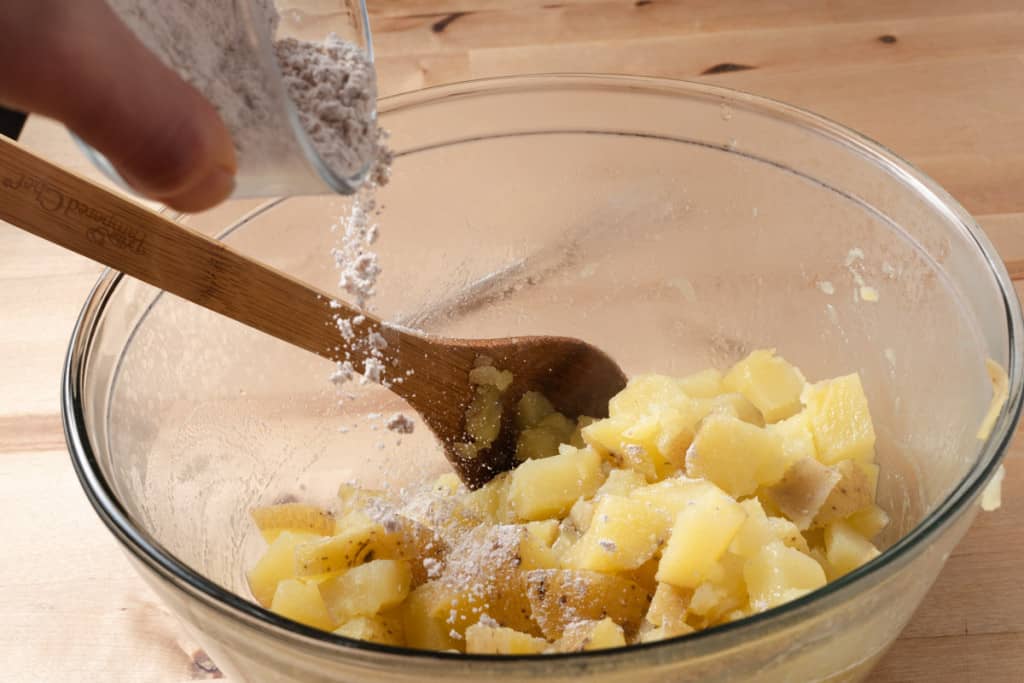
(284, 161)
(676, 226)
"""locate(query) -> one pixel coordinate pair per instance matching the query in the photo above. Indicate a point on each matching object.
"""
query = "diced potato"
(754, 533)
(583, 636)
(559, 597)
(623, 534)
(559, 425)
(482, 576)
(542, 489)
(531, 409)
(811, 494)
(737, 406)
(360, 540)
(657, 633)
(535, 443)
(499, 640)
(535, 550)
(645, 395)
(367, 589)
(803, 491)
(778, 573)
(644, 575)
(639, 448)
(771, 384)
(491, 376)
(544, 532)
(846, 549)
(701, 533)
(670, 497)
(668, 607)
(676, 431)
(424, 625)
(301, 602)
(851, 493)
(736, 456)
(299, 517)
(797, 437)
(568, 536)
(276, 564)
(373, 629)
(621, 483)
(703, 384)
(490, 502)
(584, 421)
(724, 591)
(869, 522)
(580, 514)
(840, 420)
(483, 416)
(871, 471)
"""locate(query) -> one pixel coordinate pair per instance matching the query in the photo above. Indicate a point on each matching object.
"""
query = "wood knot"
(888, 39)
(440, 25)
(202, 667)
(726, 67)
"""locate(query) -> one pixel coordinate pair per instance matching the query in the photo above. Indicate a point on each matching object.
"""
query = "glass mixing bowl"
(674, 225)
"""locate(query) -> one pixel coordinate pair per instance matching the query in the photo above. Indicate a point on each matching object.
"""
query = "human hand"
(77, 62)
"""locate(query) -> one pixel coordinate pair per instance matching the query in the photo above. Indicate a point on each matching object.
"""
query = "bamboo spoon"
(70, 211)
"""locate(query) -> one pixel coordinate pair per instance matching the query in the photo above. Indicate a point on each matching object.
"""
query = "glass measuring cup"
(275, 156)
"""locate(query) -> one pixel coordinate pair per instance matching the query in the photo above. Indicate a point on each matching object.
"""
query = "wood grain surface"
(941, 82)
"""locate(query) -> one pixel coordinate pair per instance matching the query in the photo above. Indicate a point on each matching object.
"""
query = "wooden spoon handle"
(70, 211)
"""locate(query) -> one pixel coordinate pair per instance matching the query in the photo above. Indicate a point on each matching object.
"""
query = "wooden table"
(941, 82)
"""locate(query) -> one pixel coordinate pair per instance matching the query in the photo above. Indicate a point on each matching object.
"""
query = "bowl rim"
(151, 554)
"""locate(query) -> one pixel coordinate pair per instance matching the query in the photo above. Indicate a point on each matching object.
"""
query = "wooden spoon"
(431, 373)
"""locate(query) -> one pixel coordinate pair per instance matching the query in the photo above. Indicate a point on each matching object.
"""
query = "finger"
(164, 138)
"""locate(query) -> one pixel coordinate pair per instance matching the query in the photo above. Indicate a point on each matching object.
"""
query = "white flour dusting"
(331, 83)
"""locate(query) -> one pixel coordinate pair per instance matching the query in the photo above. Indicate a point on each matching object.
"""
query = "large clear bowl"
(674, 225)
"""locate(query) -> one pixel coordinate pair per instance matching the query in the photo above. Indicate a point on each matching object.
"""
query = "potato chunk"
(482, 575)
(736, 456)
(758, 530)
(531, 409)
(498, 640)
(276, 564)
(560, 597)
(546, 488)
(869, 522)
(424, 622)
(367, 589)
(803, 491)
(778, 574)
(840, 420)
(668, 608)
(298, 517)
(623, 534)
(738, 406)
(846, 549)
(377, 629)
(771, 384)
(703, 384)
(797, 437)
(702, 532)
(583, 636)
(646, 395)
(301, 602)
(812, 495)
(851, 493)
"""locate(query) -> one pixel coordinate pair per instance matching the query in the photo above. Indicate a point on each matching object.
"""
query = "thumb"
(93, 74)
